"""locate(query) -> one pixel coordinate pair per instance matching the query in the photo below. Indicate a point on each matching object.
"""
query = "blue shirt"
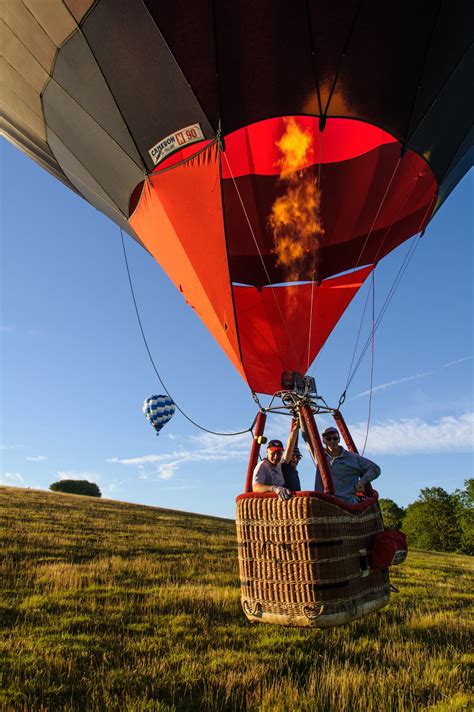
(292, 479)
(347, 469)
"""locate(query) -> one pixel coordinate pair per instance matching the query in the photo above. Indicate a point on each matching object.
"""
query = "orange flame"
(294, 217)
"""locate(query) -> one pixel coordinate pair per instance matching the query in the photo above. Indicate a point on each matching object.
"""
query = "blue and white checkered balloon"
(158, 411)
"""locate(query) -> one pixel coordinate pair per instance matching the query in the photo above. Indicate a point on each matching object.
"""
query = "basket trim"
(328, 498)
(298, 562)
(327, 583)
(302, 541)
(310, 520)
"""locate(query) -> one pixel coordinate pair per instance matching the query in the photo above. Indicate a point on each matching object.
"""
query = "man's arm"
(283, 492)
(291, 442)
(369, 471)
(259, 487)
(259, 484)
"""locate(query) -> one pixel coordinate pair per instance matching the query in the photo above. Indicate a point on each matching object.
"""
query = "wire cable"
(369, 414)
(378, 212)
(357, 339)
(206, 430)
(414, 244)
(285, 326)
(407, 259)
(313, 299)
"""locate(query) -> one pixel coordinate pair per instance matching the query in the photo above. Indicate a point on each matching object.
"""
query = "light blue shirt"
(347, 469)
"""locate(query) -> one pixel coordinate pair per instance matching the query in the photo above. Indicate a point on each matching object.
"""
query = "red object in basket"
(388, 548)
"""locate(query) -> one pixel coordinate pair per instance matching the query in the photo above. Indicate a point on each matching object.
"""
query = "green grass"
(113, 606)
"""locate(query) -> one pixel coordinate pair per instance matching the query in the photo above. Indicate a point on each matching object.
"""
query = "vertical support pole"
(346, 436)
(350, 444)
(317, 448)
(255, 449)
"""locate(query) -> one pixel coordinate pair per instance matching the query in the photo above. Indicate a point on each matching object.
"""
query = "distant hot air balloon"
(158, 411)
(268, 154)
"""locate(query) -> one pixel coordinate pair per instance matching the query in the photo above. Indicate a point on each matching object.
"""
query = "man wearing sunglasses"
(350, 472)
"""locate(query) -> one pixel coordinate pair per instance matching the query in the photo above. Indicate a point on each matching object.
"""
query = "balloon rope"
(213, 432)
(402, 205)
(392, 290)
(369, 415)
(313, 301)
(357, 339)
(261, 258)
(395, 284)
(395, 217)
(377, 213)
(349, 378)
(343, 54)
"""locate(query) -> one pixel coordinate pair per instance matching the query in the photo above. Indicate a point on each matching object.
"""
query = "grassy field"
(113, 606)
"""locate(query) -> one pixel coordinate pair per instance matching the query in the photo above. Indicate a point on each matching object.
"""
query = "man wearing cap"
(350, 472)
(268, 475)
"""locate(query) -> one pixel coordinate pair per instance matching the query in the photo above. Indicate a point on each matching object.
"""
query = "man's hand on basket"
(282, 492)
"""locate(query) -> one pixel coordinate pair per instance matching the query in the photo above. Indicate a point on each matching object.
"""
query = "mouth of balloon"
(254, 148)
(284, 221)
(353, 176)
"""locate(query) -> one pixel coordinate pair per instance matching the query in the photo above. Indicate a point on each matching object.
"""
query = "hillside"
(114, 606)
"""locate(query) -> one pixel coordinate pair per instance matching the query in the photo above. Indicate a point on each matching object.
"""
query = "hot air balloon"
(268, 155)
(158, 411)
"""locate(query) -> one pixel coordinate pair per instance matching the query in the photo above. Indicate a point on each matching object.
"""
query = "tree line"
(437, 520)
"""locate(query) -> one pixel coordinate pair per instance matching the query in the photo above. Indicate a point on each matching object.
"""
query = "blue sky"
(75, 372)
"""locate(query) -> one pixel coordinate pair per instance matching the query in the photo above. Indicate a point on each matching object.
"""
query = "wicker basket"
(305, 562)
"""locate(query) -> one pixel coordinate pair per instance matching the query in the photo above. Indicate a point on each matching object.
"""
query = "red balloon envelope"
(267, 155)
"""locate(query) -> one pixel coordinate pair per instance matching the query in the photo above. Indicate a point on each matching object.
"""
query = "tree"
(466, 496)
(76, 487)
(432, 522)
(392, 514)
(464, 500)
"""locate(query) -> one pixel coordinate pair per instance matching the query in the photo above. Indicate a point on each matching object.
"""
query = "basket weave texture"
(307, 557)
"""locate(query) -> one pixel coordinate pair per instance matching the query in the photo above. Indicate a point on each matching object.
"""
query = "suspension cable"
(395, 217)
(399, 275)
(387, 231)
(369, 414)
(261, 256)
(351, 373)
(395, 284)
(206, 430)
(356, 343)
(378, 211)
(313, 299)
(407, 259)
